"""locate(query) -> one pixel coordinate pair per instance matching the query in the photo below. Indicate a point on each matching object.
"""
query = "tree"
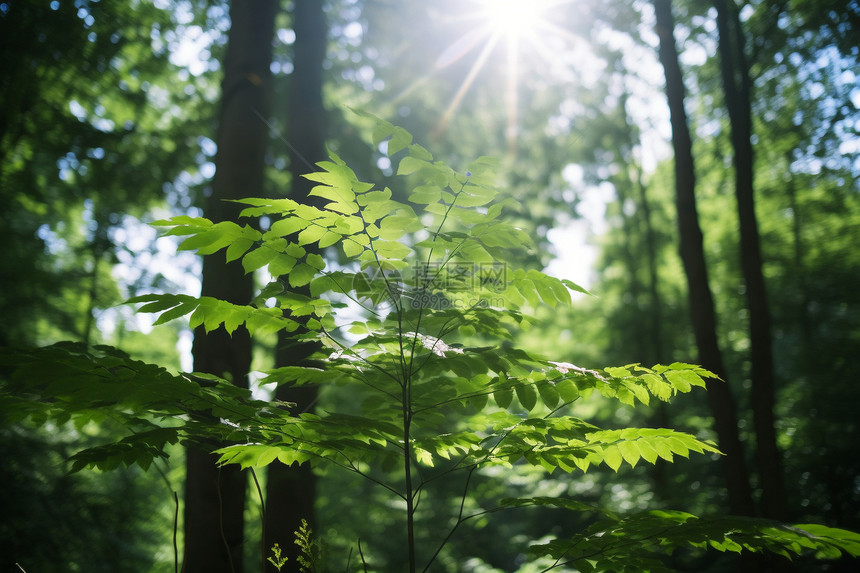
(83, 143)
(736, 82)
(86, 147)
(291, 491)
(700, 298)
(214, 496)
(803, 118)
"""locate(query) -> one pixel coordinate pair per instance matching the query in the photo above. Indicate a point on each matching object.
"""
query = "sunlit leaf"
(301, 275)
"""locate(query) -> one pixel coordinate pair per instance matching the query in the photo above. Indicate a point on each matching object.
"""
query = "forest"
(461, 286)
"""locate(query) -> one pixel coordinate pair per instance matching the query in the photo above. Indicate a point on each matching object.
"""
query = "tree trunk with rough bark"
(215, 497)
(692, 255)
(291, 491)
(736, 85)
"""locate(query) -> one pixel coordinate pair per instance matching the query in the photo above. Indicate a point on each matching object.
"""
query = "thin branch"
(427, 265)
(175, 533)
(361, 554)
(344, 292)
(361, 358)
(262, 514)
(459, 518)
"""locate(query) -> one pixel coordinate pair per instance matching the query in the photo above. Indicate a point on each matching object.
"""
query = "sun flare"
(517, 28)
(513, 17)
(512, 23)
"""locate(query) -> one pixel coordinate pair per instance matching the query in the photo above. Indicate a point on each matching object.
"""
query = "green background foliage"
(105, 123)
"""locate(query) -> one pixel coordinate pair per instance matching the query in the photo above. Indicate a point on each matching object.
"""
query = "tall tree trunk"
(215, 498)
(692, 255)
(736, 85)
(291, 490)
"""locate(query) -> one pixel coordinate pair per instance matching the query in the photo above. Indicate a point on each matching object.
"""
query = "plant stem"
(407, 470)
(263, 537)
(175, 530)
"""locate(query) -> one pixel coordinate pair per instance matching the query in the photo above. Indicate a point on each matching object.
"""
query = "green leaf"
(419, 152)
(201, 240)
(352, 248)
(425, 194)
(238, 248)
(567, 390)
(295, 251)
(683, 380)
(624, 544)
(575, 287)
(338, 188)
(316, 261)
(183, 220)
(630, 452)
(392, 250)
(679, 380)
(658, 387)
(281, 264)
(311, 235)
(466, 330)
(156, 302)
(258, 258)
(409, 165)
(328, 239)
(287, 226)
(612, 457)
(527, 396)
(503, 397)
(394, 227)
(639, 391)
(400, 139)
(648, 453)
(301, 275)
(423, 457)
(176, 312)
(549, 394)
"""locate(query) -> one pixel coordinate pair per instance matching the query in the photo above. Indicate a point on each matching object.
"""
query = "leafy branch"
(441, 265)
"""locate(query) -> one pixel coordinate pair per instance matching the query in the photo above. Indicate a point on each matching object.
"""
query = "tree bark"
(291, 491)
(692, 255)
(215, 497)
(736, 85)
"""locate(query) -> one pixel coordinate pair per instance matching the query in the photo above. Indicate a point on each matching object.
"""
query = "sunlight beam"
(512, 96)
(518, 23)
(467, 83)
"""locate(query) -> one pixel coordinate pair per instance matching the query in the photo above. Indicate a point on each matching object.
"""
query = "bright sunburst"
(512, 23)
(513, 17)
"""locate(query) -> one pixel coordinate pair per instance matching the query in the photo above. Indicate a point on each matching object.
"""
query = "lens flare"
(511, 25)
(514, 17)
(520, 28)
